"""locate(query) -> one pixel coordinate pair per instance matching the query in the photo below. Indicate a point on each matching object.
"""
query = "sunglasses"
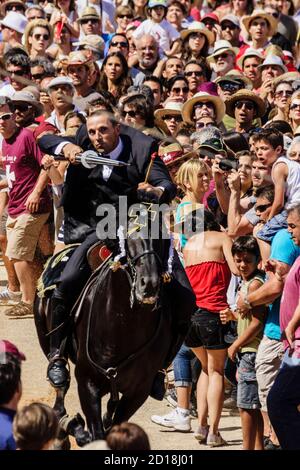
(177, 90)
(284, 93)
(6, 116)
(201, 125)
(131, 113)
(229, 86)
(230, 26)
(248, 105)
(295, 105)
(19, 73)
(38, 76)
(222, 56)
(196, 36)
(23, 107)
(200, 105)
(197, 73)
(41, 36)
(15, 8)
(93, 21)
(121, 44)
(129, 17)
(262, 207)
(175, 117)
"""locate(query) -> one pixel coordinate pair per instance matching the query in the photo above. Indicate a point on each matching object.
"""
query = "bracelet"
(247, 303)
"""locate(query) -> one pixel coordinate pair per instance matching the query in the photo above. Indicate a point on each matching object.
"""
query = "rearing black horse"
(122, 333)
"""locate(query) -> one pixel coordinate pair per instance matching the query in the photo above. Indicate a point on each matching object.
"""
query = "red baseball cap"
(8, 347)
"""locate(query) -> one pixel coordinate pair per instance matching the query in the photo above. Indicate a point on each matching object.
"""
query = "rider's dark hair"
(246, 244)
(104, 112)
(10, 376)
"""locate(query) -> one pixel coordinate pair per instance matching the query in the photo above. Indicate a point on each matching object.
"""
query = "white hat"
(273, 60)
(220, 47)
(249, 53)
(15, 21)
(63, 80)
(232, 18)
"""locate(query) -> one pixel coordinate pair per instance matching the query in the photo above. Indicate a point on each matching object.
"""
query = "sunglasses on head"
(121, 44)
(175, 117)
(41, 36)
(177, 90)
(126, 15)
(248, 105)
(91, 20)
(262, 207)
(5, 116)
(197, 73)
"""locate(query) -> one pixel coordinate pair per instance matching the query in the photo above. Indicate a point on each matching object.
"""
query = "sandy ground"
(36, 388)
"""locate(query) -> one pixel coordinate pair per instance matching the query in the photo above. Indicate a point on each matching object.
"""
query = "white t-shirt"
(163, 32)
(292, 191)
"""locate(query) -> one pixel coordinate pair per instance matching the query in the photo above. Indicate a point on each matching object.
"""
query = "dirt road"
(35, 388)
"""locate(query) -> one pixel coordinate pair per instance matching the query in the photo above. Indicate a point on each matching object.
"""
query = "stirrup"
(61, 369)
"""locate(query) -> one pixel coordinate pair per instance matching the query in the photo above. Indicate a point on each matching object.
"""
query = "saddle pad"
(53, 269)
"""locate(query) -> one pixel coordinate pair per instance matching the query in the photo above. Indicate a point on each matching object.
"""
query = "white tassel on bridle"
(116, 264)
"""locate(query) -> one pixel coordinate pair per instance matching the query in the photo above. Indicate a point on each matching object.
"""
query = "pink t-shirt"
(289, 302)
(22, 162)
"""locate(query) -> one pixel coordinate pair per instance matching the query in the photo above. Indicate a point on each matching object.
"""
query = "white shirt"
(164, 33)
(292, 191)
(113, 155)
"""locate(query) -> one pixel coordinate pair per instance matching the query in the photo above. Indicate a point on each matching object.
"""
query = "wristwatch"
(247, 303)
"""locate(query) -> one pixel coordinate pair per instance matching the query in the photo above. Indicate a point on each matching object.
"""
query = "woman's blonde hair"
(188, 173)
(38, 23)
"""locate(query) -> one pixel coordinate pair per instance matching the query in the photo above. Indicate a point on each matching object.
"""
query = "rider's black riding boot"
(58, 372)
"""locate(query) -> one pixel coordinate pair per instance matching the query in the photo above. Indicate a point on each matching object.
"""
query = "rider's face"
(103, 134)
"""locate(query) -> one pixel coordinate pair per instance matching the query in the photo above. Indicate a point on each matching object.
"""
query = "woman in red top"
(208, 263)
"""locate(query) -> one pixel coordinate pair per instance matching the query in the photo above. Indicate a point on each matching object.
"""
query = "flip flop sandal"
(20, 310)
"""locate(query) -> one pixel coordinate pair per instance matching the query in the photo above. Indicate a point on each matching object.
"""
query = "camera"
(227, 165)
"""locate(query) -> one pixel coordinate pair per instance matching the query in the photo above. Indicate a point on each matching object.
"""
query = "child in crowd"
(35, 427)
(246, 255)
(156, 25)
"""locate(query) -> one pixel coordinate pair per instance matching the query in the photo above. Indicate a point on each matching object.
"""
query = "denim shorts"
(269, 230)
(206, 330)
(247, 389)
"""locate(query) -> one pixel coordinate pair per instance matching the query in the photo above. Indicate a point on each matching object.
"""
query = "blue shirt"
(7, 441)
(282, 249)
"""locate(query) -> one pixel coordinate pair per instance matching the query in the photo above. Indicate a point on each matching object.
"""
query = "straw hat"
(261, 14)
(220, 47)
(245, 95)
(91, 41)
(249, 53)
(171, 108)
(197, 27)
(187, 110)
(172, 154)
(12, 2)
(286, 77)
(235, 76)
(89, 13)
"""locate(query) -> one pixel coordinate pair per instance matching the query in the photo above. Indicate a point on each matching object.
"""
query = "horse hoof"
(107, 422)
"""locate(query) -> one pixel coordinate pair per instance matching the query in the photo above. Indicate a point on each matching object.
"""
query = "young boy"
(286, 179)
(246, 255)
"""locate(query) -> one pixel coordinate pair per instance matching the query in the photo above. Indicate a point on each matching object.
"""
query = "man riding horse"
(84, 190)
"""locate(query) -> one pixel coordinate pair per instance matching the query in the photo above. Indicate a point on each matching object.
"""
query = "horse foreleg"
(127, 406)
(90, 400)
(108, 417)
(59, 405)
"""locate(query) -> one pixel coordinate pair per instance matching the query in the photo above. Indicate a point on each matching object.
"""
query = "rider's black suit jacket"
(85, 189)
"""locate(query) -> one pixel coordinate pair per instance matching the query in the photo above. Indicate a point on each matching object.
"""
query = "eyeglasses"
(121, 44)
(23, 107)
(6, 116)
(295, 105)
(248, 105)
(19, 73)
(262, 207)
(41, 36)
(201, 125)
(177, 90)
(90, 20)
(284, 93)
(174, 117)
(197, 73)
(230, 26)
(38, 76)
(227, 86)
(126, 15)
(200, 105)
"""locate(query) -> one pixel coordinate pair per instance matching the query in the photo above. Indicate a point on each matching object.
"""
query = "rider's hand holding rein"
(149, 193)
